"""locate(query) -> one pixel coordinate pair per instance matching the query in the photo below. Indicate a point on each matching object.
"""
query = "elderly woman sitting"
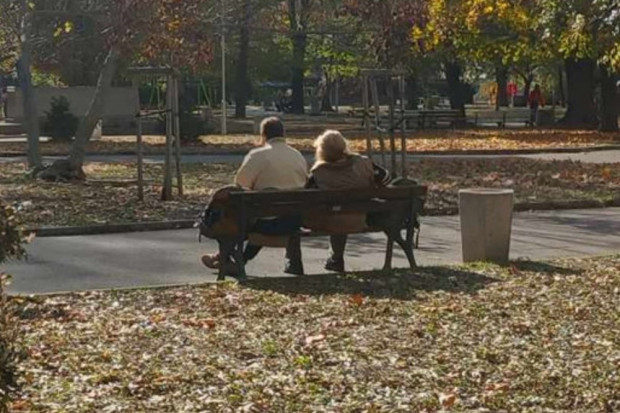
(336, 167)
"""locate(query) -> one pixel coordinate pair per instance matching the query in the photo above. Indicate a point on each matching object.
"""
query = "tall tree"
(242, 84)
(387, 25)
(496, 33)
(298, 18)
(157, 32)
(16, 29)
(504, 34)
(438, 35)
(585, 34)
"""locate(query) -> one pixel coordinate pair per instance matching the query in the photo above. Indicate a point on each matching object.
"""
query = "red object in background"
(512, 89)
(536, 98)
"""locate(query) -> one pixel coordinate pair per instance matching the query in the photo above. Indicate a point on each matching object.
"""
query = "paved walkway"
(610, 156)
(171, 257)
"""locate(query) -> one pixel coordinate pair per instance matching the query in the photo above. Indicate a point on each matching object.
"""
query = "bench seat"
(396, 208)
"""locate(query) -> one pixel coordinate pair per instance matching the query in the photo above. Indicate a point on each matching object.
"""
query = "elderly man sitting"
(275, 165)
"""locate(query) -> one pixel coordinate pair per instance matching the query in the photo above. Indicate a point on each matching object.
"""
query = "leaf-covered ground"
(439, 140)
(107, 198)
(531, 337)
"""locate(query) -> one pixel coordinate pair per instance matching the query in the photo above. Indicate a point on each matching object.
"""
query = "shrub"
(60, 123)
(192, 125)
(9, 353)
(12, 238)
(11, 247)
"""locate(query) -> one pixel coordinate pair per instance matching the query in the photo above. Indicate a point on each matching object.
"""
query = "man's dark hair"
(272, 128)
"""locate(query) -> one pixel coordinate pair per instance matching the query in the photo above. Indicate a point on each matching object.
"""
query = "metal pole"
(223, 46)
(167, 188)
(366, 115)
(337, 94)
(139, 149)
(374, 92)
(177, 135)
(390, 90)
(403, 127)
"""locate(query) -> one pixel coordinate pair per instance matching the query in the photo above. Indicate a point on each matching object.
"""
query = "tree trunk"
(528, 80)
(71, 168)
(561, 86)
(94, 111)
(411, 92)
(581, 110)
(297, 71)
(326, 93)
(610, 101)
(242, 85)
(298, 14)
(501, 77)
(455, 87)
(31, 115)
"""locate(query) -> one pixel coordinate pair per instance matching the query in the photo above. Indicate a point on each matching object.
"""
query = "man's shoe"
(211, 261)
(334, 265)
(294, 268)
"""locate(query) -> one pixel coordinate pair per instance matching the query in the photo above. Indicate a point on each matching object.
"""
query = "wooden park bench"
(502, 117)
(391, 210)
(419, 119)
(428, 119)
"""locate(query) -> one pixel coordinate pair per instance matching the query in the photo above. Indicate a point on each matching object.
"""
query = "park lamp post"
(223, 46)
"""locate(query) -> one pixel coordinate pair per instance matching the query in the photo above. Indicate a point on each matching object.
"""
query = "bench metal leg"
(407, 248)
(226, 249)
(416, 245)
(231, 255)
(405, 244)
(410, 235)
(239, 264)
(389, 252)
(239, 260)
(413, 237)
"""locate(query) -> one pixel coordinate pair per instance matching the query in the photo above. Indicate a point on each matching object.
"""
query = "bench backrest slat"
(271, 210)
(259, 204)
(325, 196)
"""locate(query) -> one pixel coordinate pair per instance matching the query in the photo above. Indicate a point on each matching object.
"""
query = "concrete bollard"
(486, 223)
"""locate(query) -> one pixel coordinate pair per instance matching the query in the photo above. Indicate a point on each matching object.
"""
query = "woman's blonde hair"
(331, 146)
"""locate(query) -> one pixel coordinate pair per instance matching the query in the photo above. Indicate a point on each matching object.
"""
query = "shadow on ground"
(546, 268)
(399, 285)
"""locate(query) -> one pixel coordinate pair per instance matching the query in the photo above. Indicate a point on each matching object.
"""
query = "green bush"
(9, 353)
(12, 238)
(60, 123)
(192, 127)
(11, 247)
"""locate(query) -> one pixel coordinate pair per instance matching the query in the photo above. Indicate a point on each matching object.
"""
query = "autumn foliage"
(11, 247)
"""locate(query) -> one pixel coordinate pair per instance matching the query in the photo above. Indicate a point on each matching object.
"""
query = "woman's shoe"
(335, 265)
(294, 268)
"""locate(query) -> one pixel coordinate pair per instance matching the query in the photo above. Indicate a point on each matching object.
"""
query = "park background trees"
(111, 35)
(572, 47)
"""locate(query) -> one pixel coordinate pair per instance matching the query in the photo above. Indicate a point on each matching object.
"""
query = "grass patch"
(529, 337)
(101, 200)
(428, 140)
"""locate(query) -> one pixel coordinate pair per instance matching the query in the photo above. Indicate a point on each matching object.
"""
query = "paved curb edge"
(111, 229)
(474, 152)
(185, 224)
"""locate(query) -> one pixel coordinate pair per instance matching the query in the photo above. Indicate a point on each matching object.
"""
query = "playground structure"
(173, 128)
(370, 92)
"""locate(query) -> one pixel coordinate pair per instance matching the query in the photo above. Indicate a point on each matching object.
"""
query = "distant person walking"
(535, 100)
(4, 95)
